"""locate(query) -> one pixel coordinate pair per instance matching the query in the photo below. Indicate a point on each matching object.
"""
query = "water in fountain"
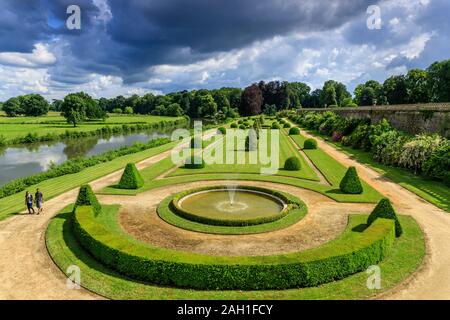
(231, 192)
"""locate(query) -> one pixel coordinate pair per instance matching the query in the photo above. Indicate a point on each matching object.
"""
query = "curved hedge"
(230, 222)
(338, 259)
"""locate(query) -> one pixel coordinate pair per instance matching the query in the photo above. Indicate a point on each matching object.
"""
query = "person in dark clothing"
(29, 202)
(39, 198)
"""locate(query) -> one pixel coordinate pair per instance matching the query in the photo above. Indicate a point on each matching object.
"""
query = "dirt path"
(27, 272)
(433, 280)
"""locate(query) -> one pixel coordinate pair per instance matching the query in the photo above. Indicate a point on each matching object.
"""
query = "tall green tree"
(34, 105)
(439, 81)
(417, 86)
(395, 90)
(73, 109)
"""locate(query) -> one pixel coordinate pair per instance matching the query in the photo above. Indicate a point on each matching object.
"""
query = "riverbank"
(53, 127)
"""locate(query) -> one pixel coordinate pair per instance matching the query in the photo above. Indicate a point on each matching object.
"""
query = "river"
(23, 161)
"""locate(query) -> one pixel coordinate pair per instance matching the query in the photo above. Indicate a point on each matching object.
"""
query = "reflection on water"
(23, 161)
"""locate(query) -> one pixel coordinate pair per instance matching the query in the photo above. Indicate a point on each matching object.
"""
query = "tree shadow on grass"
(360, 227)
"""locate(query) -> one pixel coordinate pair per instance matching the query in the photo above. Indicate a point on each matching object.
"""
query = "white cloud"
(38, 58)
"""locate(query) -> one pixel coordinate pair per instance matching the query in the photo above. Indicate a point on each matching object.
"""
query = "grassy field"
(432, 191)
(53, 123)
(405, 257)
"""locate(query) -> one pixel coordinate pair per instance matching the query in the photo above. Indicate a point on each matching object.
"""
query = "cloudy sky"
(137, 46)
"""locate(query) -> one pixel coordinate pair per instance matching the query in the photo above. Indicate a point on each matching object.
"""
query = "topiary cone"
(131, 178)
(86, 197)
(351, 184)
(385, 210)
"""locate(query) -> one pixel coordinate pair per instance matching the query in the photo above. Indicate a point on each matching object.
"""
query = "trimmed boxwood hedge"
(310, 144)
(351, 184)
(276, 125)
(336, 260)
(292, 164)
(229, 222)
(222, 130)
(86, 197)
(131, 178)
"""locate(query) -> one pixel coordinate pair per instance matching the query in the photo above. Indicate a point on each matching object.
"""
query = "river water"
(23, 161)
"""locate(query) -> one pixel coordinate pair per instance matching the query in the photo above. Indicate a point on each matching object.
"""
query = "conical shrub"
(351, 184)
(385, 210)
(86, 197)
(131, 178)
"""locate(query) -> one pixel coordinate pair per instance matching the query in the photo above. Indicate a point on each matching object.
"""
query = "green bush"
(294, 131)
(446, 179)
(333, 261)
(438, 164)
(292, 164)
(194, 162)
(242, 127)
(310, 144)
(351, 184)
(86, 197)
(240, 121)
(222, 130)
(131, 178)
(234, 125)
(385, 210)
(286, 125)
(276, 125)
(196, 143)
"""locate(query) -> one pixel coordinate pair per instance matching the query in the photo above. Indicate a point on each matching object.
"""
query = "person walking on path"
(39, 198)
(29, 202)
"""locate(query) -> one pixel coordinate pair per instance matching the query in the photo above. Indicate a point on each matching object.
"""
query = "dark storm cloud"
(142, 34)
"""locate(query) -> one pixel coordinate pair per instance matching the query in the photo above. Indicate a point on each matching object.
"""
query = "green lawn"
(305, 178)
(405, 257)
(432, 191)
(287, 149)
(53, 123)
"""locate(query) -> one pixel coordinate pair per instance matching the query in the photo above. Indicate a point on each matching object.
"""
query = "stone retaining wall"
(414, 119)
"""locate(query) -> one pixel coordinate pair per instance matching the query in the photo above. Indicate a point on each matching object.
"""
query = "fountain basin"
(237, 206)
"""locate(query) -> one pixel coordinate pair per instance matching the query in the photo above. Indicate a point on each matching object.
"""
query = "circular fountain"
(231, 206)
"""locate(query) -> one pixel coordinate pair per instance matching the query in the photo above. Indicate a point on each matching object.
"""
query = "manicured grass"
(286, 149)
(16, 203)
(53, 123)
(432, 191)
(406, 255)
(330, 168)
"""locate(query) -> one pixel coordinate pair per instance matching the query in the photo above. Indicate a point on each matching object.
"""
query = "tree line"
(417, 86)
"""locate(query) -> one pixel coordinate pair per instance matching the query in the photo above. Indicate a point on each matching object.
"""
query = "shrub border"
(313, 267)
